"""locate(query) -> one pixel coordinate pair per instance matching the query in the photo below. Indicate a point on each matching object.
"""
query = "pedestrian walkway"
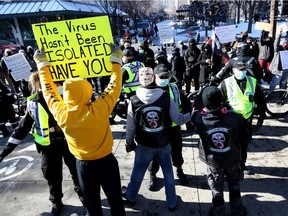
(264, 193)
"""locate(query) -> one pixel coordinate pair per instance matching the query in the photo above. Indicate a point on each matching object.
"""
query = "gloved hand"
(215, 80)
(40, 58)
(260, 121)
(116, 56)
(130, 146)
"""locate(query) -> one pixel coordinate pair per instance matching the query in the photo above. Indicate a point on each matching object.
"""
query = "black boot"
(56, 209)
(182, 177)
(152, 182)
(5, 131)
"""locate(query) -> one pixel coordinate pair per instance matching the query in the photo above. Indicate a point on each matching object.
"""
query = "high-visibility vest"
(175, 95)
(132, 84)
(41, 126)
(241, 103)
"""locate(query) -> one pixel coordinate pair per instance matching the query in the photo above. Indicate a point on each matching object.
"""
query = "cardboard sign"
(263, 26)
(283, 26)
(284, 59)
(19, 66)
(76, 48)
(226, 33)
(166, 34)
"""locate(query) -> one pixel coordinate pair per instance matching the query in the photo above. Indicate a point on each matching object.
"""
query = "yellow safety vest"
(175, 95)
(241, 103)
(41, 118)
(132, 84)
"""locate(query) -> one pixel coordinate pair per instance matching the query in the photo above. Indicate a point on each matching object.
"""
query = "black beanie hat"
(211, 97)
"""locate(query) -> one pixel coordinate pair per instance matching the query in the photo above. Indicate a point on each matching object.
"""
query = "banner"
(263, 26)
(284, 59)
(76, 48)
(226, 33)
(166, 34)
(18, 66)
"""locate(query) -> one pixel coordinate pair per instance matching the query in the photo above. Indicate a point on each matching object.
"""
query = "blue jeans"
(144, 155)
(281, 80)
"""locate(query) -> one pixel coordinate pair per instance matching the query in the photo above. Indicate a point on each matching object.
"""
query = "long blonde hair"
(34, 82)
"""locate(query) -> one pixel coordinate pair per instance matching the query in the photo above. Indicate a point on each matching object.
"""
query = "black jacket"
(26, 125)
(190, 57)
(222, 135)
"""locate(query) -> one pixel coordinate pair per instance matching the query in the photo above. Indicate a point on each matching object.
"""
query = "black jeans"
(51, 166)
(215, 180)
(103, 172)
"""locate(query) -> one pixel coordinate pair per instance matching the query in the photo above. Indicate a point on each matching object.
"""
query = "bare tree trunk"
(238, 12)
(251, 12)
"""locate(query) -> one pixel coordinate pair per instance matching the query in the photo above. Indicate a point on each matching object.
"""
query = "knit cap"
(211, 97)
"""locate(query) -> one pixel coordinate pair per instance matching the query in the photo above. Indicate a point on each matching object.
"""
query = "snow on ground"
(241, 27)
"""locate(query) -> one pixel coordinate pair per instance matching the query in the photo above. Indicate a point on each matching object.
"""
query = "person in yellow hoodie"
(87, 130)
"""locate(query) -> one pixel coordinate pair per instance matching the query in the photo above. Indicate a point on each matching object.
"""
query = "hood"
(77, 92)
(148, 95)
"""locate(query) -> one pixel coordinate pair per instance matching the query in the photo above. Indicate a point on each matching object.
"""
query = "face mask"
(162, 82)
(141, 51)
(60, 90)
(240, 75)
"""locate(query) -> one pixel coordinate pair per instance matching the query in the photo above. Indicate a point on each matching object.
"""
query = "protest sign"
(18, 66)
(284, 59)
(76, 48)
(263, 26)
(283, 27)
(226, 33)
(166, 34)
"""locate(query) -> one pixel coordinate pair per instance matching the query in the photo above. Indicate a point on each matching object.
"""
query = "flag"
(216, 45)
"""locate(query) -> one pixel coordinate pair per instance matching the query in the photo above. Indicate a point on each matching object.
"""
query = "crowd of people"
(65, 118)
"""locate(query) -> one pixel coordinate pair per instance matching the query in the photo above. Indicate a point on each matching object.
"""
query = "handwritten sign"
(76, 48)
(282, 26)
(284, 59)
(263, 26)
(226, 33)
(166, 34)
(19, 66)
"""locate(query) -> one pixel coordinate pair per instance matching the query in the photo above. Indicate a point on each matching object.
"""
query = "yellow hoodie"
(85, 125)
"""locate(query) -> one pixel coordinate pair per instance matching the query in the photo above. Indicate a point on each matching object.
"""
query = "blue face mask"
(162, 82)
(141, 51)
(240, 75)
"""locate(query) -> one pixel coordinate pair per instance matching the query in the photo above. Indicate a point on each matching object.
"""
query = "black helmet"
(243, 47)
(160, 56)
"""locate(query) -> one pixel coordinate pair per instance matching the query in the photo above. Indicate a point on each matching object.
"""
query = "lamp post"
(206, 24)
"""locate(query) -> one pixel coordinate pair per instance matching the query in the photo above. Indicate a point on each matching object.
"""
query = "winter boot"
(182, 177)
(5, 131)
(152, 182)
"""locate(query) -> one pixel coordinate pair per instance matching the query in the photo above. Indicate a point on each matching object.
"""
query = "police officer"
(130, 69)
(243, 95)
(50, 142)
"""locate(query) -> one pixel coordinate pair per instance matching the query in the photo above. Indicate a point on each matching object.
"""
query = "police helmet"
(160, 55)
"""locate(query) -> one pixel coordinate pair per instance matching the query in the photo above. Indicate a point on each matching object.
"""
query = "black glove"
(130, 146)
(215, 80)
